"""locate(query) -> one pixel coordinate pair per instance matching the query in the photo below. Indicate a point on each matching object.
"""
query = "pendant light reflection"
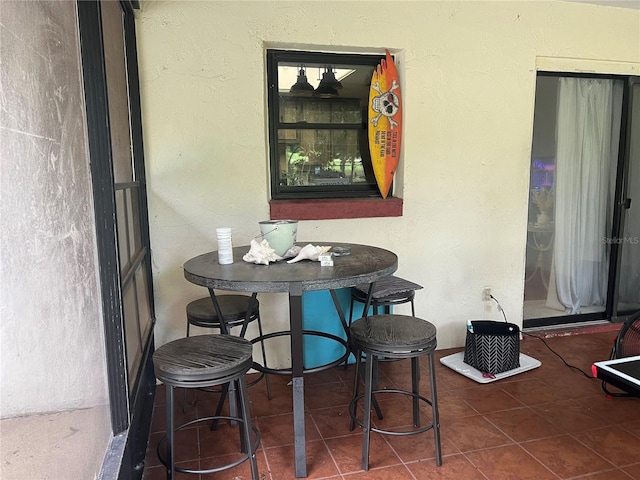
(302, 87)
(329, 85)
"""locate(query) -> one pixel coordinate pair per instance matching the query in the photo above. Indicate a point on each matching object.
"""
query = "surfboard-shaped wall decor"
(385, 122)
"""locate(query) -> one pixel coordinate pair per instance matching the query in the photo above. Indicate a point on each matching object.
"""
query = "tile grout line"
(580, 396)
(335, 464)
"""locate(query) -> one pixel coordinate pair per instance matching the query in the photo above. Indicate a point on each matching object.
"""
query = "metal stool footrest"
(288, 371)
(397, 337)
(354, 404)
(244, 457)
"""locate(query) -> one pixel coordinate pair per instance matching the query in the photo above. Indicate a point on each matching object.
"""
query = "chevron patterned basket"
(493, 347)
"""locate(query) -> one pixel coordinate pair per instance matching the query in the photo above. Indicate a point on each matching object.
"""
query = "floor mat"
(455, 362)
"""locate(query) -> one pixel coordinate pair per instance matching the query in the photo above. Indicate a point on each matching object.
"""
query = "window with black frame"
(318, 124)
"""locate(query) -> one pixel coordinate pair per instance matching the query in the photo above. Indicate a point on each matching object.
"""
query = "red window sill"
(326, 208)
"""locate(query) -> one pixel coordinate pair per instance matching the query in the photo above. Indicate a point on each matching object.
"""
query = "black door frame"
(131, 409)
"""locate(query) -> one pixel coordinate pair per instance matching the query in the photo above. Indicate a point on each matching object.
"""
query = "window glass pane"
(347, 80)
(117, 90)
(315, 110)
(574, 155)
(144, 309)
(123, 250)
(133, 215)
(629, 290)
(321, 157)
(131, 331)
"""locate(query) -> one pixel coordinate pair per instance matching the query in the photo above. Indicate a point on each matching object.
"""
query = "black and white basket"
(493, 347)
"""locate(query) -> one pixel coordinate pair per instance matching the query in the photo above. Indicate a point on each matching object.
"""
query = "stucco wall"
(51, 331)
(468, 70)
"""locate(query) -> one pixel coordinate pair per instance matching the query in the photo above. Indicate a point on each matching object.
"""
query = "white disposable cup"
(225, 246)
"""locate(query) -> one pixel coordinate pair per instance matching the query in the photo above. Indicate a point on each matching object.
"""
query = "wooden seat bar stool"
(399, 337)
(207, 361)
(387, 292)
(236, 311)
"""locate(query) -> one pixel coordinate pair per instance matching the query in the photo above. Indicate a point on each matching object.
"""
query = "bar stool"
(400, 337)
(206, 361)
(388, 291)
(234, 308)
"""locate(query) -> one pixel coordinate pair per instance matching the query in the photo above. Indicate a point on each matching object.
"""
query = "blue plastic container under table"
(319, 314)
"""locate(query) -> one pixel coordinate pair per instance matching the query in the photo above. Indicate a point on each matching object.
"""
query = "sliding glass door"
(581, 233)
(625, 298)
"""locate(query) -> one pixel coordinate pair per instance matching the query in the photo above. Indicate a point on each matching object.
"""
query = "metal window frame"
(279, 192)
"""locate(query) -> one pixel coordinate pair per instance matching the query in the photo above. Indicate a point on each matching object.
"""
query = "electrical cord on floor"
(543, 341)
(559, 356)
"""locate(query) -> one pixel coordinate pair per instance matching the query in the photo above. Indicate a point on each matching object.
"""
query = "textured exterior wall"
(468, 71)
(51, 330)
(51, 333)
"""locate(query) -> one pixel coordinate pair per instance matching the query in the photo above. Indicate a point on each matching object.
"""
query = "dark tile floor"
(549, 423)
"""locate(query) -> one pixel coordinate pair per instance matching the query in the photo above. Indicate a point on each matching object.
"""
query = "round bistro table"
(364, 264)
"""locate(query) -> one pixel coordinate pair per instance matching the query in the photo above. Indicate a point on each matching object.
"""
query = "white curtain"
(586, 158)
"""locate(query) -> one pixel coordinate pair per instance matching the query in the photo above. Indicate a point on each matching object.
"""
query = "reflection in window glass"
(131, 332)
(323, 157)
(144, 308)
(122, 232)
